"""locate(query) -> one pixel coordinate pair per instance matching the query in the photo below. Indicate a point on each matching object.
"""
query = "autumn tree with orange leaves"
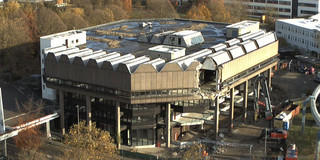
(29, 140)
(88, 143)
(200, 12)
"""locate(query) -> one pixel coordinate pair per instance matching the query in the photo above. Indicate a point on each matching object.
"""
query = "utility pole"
(2, 127)
(265, 142)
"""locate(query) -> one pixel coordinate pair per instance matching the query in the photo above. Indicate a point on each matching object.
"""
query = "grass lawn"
(306, 143)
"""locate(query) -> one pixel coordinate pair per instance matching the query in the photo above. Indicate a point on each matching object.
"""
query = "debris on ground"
(111, 43)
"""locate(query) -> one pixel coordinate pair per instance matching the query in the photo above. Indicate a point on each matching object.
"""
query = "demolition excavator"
(263, 108)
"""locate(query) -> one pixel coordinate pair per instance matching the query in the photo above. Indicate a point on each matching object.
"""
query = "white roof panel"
(265, 39)
(220, 57)
(218, 47)
(232, 42)
(235, 51)
(251, 35)
(249, 46)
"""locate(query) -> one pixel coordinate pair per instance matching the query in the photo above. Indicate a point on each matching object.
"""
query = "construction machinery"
(261, 88)
(264, 108)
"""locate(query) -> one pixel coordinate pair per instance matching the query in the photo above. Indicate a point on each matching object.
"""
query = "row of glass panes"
(142, 137)
(192, 103)
(103, 114)
(164, 93)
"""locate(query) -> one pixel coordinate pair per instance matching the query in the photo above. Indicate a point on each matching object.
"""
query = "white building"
(301, 33)
(57, 42)
(281, 8)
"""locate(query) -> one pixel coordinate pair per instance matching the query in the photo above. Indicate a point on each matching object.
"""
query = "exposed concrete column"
(216, 118)
(269, 77)
(48, 129)
(231, 110)
(61, 103)
(88, 104)
(118, 130)
(168, 119)
(245, 101)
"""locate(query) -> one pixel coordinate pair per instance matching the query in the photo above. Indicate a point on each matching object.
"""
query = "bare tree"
(49, 22)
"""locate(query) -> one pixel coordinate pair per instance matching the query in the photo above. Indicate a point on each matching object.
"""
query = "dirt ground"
(286, 85)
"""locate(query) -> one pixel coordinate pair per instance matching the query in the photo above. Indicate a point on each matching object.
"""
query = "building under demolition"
(145, 98)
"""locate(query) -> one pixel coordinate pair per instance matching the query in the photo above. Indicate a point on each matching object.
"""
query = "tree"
(237, 9)
(118, 12)
(49, 22)
(29, 140)
(200, 12)
(161, 9)
(99, 16)
(73, 18)
(218, 11)
(89, 144)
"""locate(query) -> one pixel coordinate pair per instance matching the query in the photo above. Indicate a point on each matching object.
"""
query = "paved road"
(11, 95)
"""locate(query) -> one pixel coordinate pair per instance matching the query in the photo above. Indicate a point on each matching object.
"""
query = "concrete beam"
(245, 101)
(168, 123)
(61, 103)
(216, 118)
(48, 129)
(231, 110)
(118, 129)
(88, 105)
(269, 77)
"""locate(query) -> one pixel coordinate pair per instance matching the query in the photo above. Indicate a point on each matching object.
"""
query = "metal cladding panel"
(249, 46)
(247, 61)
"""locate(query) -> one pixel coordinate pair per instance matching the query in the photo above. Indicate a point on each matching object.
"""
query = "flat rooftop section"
(62, 34)
(125, 34)
(242, 24)
(312, 23)
(166, 49)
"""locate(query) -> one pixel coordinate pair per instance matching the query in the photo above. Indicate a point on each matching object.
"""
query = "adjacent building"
(281, 8)
(301, 33)
(146, 100)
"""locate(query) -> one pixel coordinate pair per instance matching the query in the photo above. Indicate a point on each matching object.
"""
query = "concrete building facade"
(281, 8)
(54, 43)
(143, 100)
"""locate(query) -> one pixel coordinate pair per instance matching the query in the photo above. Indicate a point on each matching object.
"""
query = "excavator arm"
(264, 91)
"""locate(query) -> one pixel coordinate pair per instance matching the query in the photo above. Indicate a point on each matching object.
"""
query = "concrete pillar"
(168, 119)
(245, 101)
(269, 77)
(48, 129)
(88, 105)
(231, 110)
(61, 103)
(216, 118)
(118, 129)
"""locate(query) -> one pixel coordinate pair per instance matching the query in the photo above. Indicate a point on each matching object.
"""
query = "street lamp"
(78, 108)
